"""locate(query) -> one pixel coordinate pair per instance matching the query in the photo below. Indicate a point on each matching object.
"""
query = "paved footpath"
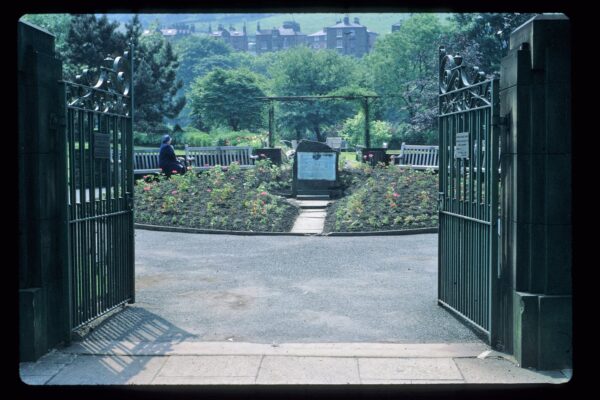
(225, 309)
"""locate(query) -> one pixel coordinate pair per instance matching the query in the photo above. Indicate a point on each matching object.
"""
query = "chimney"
(209, 28)
(356, 20)
(220, 28)
(346, 20)
(258, 26)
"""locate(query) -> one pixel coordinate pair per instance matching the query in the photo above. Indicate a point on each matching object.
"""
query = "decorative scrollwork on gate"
(462, 87)
(104, 89)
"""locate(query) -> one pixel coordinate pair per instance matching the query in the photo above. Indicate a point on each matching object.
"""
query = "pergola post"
(271, 123)
(367, 132)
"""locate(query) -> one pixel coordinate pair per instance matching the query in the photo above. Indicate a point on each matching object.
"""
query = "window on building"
(339, 33)
(339, 44)
(263, 46)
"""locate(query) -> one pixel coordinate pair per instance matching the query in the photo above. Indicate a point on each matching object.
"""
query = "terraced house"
(350, 38)
(236, 39)
(276, 39)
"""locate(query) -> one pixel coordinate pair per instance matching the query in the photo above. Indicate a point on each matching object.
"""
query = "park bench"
(418, 156)
(201, 158)
(336, 143)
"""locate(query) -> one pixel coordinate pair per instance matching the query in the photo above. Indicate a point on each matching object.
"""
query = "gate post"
(43, 267)
(536, 253)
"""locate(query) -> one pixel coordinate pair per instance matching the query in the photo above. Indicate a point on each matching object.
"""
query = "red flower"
(174, 171)
(263, 193)
(370, 155)
(174, 192)
(263, 202)
(396, 195)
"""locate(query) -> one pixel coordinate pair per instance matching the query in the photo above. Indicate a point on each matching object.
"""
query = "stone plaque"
(317, 166)
(461, 150)
(101, 145)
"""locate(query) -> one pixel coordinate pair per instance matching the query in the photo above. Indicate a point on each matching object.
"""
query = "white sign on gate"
(461, 150)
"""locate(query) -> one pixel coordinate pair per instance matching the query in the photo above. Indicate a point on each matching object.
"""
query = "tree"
(487, 35)
(155, 79)
(404, 69)
(303, 72)
(194, 51)
(227, 97)
(90, 40)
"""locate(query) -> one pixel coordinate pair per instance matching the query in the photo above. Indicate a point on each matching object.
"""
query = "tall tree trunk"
(318, 133)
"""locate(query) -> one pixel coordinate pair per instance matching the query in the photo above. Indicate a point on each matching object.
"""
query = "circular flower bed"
(385, 198)
(235, 199)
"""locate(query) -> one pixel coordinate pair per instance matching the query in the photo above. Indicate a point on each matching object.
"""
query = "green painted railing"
(98, 121)
(468, 198)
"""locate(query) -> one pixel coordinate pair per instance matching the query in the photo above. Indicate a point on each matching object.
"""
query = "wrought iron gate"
(468, 198)
(98, 116)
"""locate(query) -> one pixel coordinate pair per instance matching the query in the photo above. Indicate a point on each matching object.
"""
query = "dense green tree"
(487, 35)
(227, 98)
(404, 70)
(196, 50)
(90, 40)
(301, 71)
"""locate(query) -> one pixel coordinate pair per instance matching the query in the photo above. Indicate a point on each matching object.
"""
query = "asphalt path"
(278, 289)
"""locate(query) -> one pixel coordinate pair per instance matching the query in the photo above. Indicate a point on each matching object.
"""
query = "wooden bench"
(336, 143)
(418, 156)
(145, 162)
(202, 158)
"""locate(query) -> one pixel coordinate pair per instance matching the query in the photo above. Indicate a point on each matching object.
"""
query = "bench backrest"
(219, 155)
(334, 142)
(419, 156)
(145, 159)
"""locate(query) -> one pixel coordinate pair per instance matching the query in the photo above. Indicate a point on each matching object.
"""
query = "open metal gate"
(98, 116)
(468, 193)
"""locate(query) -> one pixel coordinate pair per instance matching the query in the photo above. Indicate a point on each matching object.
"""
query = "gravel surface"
(276, 289)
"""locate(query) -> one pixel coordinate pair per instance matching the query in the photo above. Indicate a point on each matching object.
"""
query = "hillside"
(309, 22)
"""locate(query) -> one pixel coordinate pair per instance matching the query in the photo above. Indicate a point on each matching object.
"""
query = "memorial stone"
(315, 170)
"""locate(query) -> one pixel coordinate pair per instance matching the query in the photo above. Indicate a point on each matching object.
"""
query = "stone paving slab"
(488, 370)
(109, 370)
(211, 366)
(386, 350)
(308, 370)
(409, 368)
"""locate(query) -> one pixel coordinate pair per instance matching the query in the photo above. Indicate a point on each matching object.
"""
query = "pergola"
(271, 99)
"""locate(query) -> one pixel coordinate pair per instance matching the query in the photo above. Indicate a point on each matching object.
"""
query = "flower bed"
(235, 199)
(385, 198)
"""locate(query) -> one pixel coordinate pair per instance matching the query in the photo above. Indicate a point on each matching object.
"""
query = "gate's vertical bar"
(93, 221)
(130, 173)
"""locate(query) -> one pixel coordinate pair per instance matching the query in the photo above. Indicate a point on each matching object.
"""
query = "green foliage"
(483, 38)
(227, 97)
(234, 199)
(386, 198)
(302, 71)
(58, 25)
(404, 67)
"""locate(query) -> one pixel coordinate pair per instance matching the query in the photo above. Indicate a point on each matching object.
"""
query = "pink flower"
(364, 157)
(263, 193)
(174, 192)
(262, 155)
(396, 195)
(370, 155)
(174, 171)
(263, 202)
(393, 205)
(146, 188)
(208, 190)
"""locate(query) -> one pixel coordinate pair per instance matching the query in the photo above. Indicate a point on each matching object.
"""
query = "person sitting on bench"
(167, 160)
